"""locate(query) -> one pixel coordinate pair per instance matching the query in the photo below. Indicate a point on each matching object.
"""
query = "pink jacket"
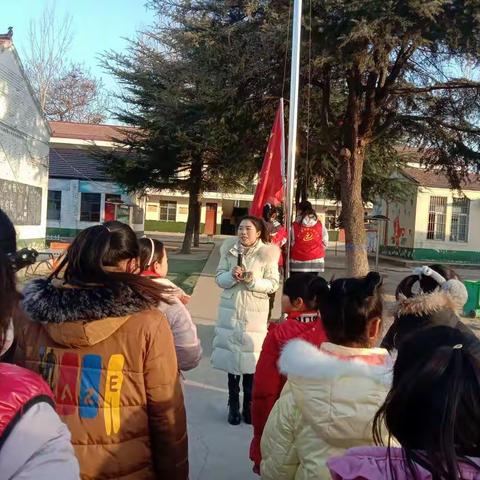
(371, 463)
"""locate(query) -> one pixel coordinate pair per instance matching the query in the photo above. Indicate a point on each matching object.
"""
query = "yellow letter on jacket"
(113, 387)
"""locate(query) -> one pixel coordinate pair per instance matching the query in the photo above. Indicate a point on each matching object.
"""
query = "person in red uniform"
(299, 301)
(309, 241)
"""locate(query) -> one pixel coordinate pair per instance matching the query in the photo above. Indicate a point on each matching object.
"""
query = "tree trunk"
(351, 158)
(196, 232)
(353, 214)
(193, 198)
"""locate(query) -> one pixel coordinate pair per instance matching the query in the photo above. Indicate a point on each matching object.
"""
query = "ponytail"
(432, 408)
(103, 246)
(348, 307)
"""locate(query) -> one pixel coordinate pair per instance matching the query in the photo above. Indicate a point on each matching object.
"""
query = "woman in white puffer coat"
(333, 392)
(248, 273)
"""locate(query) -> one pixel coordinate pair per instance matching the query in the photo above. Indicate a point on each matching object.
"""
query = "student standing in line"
(154, 265)
(34, 442)
(99, 339)
(332, 392)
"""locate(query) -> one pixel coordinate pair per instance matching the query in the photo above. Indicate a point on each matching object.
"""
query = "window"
(90, 207)
(168, 211)
(331, 219)
(460, 216)
(436, 218)
(54, 204)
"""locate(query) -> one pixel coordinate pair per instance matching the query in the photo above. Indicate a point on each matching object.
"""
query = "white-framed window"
(90, 207)
(331, 219)
(460, 220)
(54, 204)
(168, 211)
(437, 214)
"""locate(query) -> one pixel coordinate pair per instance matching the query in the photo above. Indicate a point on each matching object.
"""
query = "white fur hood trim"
(267, 252)
(302, 359)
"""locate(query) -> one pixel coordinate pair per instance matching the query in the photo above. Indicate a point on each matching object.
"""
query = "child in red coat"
(300, 303)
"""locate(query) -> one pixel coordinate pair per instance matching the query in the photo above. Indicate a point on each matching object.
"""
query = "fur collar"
(302, 359)
(267, 252)
(47, 303)
(425, 304)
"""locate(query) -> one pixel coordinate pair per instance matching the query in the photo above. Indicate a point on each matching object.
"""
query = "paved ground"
(217, 450)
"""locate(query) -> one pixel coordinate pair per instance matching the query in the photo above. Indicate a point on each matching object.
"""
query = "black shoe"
(234, 417)
(247, 414)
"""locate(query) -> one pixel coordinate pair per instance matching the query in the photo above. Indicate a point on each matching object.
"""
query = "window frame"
(169, 205)
(437, 203)
(457, 216)
(57, 201)
(91, 218)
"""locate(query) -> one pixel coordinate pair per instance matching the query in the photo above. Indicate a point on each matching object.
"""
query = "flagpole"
(292, 122)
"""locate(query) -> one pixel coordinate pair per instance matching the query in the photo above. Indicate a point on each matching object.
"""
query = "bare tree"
(66, 90)
(49, 40)
(77, 97)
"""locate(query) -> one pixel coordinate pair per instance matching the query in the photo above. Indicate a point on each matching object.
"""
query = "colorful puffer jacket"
(327, 406)
(109, 357)
(243, 312)
(268, 381)
(34, 443)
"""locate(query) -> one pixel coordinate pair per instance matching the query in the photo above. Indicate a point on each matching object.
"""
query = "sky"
(98, 25)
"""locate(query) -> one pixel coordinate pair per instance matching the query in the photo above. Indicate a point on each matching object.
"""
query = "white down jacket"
(243, 311)
(327, 406)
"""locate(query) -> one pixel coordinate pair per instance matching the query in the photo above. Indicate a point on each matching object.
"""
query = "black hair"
(260, 226)
(8, 240)
(146, 252)
(427, 284)
(9, 297)
(408, 324)
(102, 246)
(307, 286)
(306, 209)
(432, 408)
(347, 307)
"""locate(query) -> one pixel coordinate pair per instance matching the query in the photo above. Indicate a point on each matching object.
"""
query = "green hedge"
(177, 227)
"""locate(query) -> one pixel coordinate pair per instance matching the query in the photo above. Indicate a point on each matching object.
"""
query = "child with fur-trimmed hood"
(333, 392)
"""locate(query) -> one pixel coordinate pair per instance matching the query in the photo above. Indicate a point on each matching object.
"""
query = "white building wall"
(24, 149)
(71, 201)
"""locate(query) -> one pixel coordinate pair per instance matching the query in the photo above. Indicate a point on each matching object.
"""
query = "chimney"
(6, 38)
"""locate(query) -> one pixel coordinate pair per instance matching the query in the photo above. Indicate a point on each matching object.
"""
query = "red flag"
(270, 188)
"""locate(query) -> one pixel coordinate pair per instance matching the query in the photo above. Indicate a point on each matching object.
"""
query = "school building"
(167, 211)
(434, 223)
(24, 149)
(80, 194)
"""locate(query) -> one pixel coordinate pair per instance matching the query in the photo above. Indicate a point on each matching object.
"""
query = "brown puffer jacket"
(110, 360)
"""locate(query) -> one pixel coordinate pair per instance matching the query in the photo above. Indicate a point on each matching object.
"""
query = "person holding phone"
(248, 273)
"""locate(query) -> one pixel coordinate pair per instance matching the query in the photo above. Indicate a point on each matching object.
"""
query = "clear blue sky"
(98, 25)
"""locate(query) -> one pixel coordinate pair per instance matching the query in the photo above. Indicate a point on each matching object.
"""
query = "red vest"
(279, 238)
(19, 390)
(308, 243)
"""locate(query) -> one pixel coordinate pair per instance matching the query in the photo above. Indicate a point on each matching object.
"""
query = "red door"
(211, 219)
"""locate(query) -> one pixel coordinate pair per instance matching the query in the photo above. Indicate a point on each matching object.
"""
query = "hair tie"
(108, 230)
(153, 252)
(458, 346)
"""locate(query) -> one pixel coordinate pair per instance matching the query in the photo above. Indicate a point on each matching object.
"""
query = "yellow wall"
(421, 224)
(182, 208)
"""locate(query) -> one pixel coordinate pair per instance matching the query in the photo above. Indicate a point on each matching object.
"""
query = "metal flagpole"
(292, 122)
